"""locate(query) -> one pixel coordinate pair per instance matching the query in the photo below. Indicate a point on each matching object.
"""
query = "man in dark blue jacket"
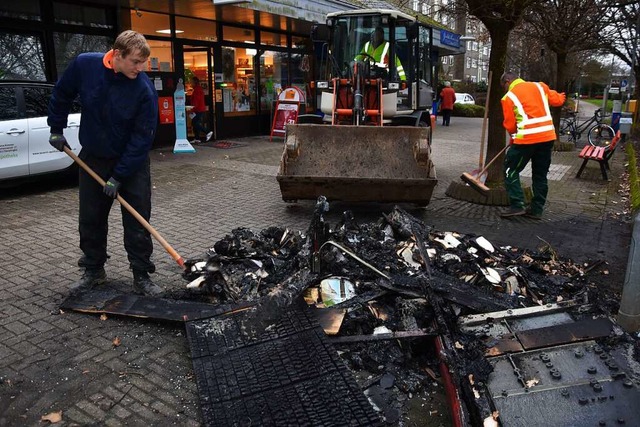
(118, 124)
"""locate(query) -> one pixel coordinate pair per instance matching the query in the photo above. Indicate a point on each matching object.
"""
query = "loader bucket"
(357, 164)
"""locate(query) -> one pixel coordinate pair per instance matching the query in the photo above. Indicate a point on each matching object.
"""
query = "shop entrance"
(198, 62)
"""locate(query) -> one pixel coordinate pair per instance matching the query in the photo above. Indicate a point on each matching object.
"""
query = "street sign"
(614, 90)
(623, 85)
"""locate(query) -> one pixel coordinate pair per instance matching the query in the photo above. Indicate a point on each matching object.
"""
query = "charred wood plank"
(565, 333)
(507, 343)
(112, 302)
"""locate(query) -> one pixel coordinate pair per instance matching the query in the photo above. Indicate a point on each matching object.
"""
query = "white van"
(24, 134)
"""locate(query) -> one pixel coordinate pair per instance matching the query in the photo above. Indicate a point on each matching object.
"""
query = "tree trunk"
(496, 134)
(560, 85)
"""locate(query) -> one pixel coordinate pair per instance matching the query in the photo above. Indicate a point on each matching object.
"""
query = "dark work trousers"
(446, 116)
(515, 161)
(94, 215)
(196, 124)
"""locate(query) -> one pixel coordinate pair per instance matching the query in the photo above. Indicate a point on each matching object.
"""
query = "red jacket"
(447, 98)
(526, 112)
(197, 99)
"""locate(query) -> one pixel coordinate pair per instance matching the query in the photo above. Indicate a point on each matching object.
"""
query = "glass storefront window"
(73, 14)
(70, 45)
(235, 34)
(161, 58)
(273, 72)
(24, 9)
(21, 57)
(273, 39)
(239, 95)
(149, 23)
(195, 29)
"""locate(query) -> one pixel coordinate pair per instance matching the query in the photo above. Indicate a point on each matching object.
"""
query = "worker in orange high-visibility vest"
(378, 49)
(528, 120)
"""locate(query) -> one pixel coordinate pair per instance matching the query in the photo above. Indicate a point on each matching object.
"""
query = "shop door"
(198, 62)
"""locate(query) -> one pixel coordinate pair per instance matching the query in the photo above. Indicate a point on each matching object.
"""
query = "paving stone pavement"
(64, 361)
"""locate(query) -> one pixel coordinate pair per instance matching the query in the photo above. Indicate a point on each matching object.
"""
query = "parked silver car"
(464, 98)
(24, 133)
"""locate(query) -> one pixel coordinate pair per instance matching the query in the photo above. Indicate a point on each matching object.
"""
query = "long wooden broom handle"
(492, 160)
(131, 210)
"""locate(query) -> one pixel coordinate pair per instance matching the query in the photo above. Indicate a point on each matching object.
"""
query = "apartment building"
(473, 65)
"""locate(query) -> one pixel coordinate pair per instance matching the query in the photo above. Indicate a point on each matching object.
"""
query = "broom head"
(475, 183)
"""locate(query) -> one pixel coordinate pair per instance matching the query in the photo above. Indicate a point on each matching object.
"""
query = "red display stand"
(286, 110)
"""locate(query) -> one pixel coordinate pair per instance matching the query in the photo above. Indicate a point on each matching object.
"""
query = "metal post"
(629, 313)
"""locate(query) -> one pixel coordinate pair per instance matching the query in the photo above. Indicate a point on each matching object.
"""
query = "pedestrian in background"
(447, 99)
(199, 108)
(528, 120)
(118, 124)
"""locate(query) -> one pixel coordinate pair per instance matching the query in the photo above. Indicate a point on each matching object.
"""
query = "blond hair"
(130, 41)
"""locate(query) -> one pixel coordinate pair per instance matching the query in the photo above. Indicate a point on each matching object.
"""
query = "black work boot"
(90, 278)
(143, 285)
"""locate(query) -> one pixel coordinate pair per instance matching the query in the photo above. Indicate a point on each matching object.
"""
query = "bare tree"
(625, 23)
(569, 26)
(21, 57)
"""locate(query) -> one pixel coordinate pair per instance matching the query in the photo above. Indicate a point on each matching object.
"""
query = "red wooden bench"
(600, 155)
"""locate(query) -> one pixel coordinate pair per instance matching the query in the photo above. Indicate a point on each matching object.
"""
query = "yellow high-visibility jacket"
(381, 56)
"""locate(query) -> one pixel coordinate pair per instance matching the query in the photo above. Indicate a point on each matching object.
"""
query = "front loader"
(371, 141)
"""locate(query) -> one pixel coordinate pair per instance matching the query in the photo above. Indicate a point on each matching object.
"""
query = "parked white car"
(24, 134)
(464, 98)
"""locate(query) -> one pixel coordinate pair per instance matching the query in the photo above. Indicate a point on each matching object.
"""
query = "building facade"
(244, 53)
(472, 65)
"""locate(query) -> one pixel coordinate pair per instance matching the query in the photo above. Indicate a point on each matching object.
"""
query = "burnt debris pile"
(398, 253)
(384, 292)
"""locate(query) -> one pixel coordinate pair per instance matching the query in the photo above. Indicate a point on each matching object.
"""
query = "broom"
(474, 180)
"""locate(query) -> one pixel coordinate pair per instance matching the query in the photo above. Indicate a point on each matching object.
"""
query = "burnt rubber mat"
(290, 375)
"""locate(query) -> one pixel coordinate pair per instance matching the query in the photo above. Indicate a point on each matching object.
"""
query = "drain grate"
(290, 375)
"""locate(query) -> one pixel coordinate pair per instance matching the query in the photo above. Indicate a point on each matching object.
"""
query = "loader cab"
(376, 45)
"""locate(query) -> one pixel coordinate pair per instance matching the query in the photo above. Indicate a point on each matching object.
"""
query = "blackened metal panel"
(571, 385)
(574, 405)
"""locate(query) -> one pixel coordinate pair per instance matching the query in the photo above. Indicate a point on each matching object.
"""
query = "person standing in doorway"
(199, 108)
(447, 99)
(117, 128)
(528, 120)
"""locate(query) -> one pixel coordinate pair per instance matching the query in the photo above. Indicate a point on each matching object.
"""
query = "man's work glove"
(58, 141)
(111, 187)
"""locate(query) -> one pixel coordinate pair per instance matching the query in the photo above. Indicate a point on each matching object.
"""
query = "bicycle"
(599, 135)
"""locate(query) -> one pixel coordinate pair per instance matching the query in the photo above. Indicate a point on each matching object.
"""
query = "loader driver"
(378, 49)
